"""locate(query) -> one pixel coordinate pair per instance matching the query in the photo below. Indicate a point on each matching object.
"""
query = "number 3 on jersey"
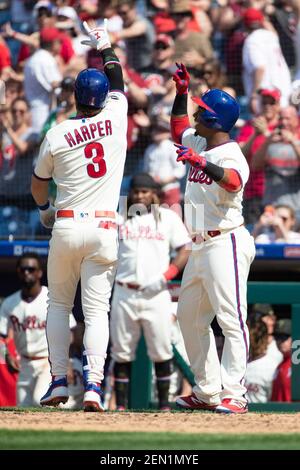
(95, 151)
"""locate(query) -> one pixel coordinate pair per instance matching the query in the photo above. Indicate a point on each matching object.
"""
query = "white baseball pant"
(214, 283)
(33, 380)
(131, 312)
(79, 249)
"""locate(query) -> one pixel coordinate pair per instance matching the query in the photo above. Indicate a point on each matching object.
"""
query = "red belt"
(129, 285)
(70, 213)
(210, 233)
(34, 358)
(107, 224)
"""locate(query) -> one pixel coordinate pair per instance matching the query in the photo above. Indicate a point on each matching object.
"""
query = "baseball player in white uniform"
(141, 300)
(23, 314)
(85, 156)
(214, 282)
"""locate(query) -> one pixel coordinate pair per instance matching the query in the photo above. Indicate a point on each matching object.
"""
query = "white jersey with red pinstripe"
(28, 322)
(223, 210)
(214, 281)
(86, 157)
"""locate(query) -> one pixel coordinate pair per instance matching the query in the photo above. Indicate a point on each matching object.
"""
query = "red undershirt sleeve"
(234, 182)
(178, 126)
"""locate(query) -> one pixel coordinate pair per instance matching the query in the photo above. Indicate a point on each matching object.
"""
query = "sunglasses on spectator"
(18, 110)
(208, 72)
(161, 45)
(269, 102)
(30, 269)
(43, 11)
(123, 12)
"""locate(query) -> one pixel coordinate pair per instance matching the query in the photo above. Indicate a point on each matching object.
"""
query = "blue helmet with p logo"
(219, 110)
(91, 88)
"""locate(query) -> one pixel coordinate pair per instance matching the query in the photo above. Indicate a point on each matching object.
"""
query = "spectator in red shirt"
(6, 70)
(160, 17)
(281, 390)
(4, 56)
(252, 136)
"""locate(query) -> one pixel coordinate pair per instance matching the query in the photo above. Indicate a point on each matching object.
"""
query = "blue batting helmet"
(91, 88)
(220, 110)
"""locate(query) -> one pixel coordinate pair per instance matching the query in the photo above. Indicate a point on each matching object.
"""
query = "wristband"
(171, 272)
(44, 207)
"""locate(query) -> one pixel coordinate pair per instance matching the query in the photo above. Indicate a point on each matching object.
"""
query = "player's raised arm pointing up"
(213, 214)
(179, 118)
(85, 157)
(99, 40)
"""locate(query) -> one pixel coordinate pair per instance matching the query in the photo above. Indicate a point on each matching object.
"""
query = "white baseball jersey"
(28, 320)
(262, 49)
(259, 378)
(160, 159)
(223, 210)
(86, 157)
(274, 353)
(145, 245)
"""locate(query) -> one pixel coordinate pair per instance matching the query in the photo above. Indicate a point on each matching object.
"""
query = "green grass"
(60, 440)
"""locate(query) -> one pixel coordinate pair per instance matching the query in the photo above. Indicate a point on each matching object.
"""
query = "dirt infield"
(188, 422)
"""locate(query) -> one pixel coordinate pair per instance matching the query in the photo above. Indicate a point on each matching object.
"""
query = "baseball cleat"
(120, 408)
(92, 400)
(165, 408)
(57, 393)
(191, 402)
(230, 405)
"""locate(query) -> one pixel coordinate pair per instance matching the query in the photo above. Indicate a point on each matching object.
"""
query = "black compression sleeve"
(180, 105)
(215, 172)
(113, 69)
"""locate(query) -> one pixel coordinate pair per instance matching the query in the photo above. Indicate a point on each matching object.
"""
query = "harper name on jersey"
(91, 131)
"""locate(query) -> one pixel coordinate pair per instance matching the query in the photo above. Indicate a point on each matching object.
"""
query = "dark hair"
(29, 255)
(289, 208)
(68, 83)
(130, 3)
(258, 333)
(43, 10)
(46, 45)
(12, 81)
(218, 70)
(86, 109)
(20, 98)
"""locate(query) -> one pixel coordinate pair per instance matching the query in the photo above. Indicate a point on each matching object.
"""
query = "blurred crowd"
(250, 48)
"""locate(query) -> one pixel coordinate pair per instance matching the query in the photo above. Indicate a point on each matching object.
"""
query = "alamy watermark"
(2, 92)
(296, 352)
(192, 215)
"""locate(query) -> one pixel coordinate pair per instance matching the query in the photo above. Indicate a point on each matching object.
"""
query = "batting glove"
(47, 215)
(99, 38)
(186, 154)
(182, 79)
(156, 286)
